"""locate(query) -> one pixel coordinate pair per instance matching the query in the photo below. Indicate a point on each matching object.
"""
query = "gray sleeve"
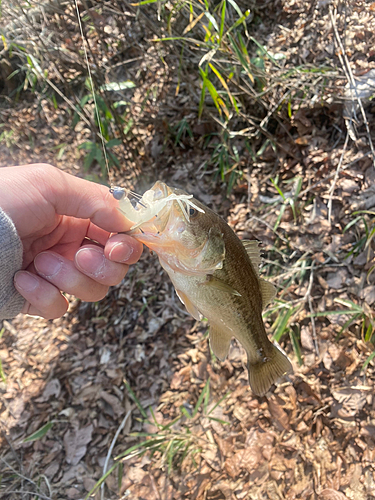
(11, 302)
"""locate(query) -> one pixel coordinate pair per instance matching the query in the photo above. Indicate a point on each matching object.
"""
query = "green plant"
(289, 198)
(356, 312)
(173, 442)
(364, 238)
(285, 314)
(226, 160)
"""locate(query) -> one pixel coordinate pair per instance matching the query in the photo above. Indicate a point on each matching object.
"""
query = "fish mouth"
(160, 210)
(163, 222)
(162, 229)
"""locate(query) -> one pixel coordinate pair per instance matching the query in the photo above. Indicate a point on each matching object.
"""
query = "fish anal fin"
(220, 285)
(267, 371)
(253, 251)
(268, 292)
(219, 342)
(190, 307)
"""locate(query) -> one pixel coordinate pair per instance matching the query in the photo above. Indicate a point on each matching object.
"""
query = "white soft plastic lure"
(151, 204)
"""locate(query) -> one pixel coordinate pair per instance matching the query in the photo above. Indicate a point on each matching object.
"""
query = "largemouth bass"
(215, 274)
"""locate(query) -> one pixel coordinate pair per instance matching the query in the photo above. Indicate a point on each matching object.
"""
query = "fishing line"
(84, 42)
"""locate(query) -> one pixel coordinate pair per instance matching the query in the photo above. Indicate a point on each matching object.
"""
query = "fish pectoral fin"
(267, 371)
(219, 342)
(190, 307)
(220, 285)
(268, 292)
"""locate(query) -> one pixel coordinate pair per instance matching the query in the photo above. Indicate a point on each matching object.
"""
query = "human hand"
(56, 215)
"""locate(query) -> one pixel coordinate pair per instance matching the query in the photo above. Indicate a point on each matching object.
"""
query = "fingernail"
(121, 252)
(90, 261)
(26, 281)
(47, 264)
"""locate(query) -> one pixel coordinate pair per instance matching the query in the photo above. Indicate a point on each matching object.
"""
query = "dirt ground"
(133, 373)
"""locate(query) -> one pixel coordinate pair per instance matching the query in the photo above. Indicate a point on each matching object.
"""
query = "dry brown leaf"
(277, 412)
(75, 442)
(329, 494)
(248, 459)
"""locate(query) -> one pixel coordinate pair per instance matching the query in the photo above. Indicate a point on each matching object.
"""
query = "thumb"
(84, 199)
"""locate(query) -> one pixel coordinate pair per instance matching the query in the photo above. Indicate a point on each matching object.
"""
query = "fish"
(214, 273)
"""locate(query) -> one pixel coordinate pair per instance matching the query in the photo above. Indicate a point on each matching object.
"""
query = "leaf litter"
(313, 437)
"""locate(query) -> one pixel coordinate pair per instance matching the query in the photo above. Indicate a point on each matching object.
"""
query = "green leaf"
(135, 399)
(212, 21)
(351, 223)
(201, 397)
(39, 433)
(236, 7)
(145, 2)
(369, 333)
(185, 412)
(113, 142)
(370, 358)
(2, 374)
(201, 100)
(296, 346)
(283, 323)
(222, 21)
(211, 89)
(101, 480)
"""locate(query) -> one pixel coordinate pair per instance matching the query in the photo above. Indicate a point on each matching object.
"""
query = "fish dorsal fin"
(253, 251)
(220, 285)
(190, 307)
(268, 292)
(219, 342)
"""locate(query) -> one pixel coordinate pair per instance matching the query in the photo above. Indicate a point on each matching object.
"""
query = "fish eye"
(193, 212)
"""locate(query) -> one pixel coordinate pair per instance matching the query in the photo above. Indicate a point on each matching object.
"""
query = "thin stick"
(335, 179)
(122, 425)
(307, 190)
(308, 298)
(26, 479)
(348, 71)
(40, 495)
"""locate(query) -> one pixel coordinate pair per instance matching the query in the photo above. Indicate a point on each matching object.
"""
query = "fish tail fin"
(264, 373)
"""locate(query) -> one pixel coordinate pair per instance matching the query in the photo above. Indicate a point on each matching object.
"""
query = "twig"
(26, 479)
(269, 227)
(308, 298)
(307, 190)
(349, 74)
(122, 425)
(335, 179)
(40, 495)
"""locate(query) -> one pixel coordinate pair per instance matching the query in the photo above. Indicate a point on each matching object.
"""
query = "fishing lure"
(151, 204)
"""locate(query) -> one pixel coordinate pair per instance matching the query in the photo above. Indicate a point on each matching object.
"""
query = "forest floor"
(135, 370)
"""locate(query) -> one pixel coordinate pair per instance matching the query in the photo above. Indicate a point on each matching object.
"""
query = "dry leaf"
(75, 442)
(329, 494)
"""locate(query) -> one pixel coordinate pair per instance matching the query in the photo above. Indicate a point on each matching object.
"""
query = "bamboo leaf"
(224, 84)
(39, 433)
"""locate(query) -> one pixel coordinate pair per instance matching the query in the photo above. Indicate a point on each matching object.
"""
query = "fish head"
(181, 231)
